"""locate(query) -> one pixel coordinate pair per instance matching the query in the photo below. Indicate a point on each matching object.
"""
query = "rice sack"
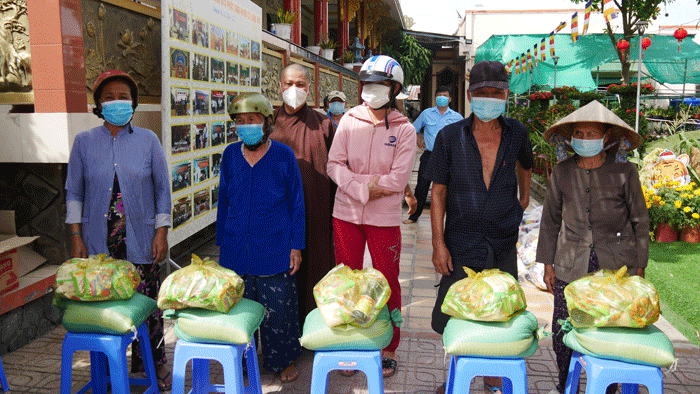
(96, 278)
(345, 296)
(490, 295)
(612, 299)
(202, 284)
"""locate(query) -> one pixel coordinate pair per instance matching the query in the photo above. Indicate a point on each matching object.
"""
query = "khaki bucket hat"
(597, 113)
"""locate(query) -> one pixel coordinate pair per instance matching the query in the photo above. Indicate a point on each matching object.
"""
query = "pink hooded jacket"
(361, 151)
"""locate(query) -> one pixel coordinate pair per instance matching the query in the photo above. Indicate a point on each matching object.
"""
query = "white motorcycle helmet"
(381, 68)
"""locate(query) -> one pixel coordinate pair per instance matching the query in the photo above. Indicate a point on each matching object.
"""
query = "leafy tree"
(631, 12)
(413, 57)
(410, 22)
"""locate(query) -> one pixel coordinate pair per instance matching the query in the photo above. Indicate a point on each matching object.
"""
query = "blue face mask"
(250, 134)
(487, 109)
(336, 107)
(117, 112)
(587, 148)
(442, 101)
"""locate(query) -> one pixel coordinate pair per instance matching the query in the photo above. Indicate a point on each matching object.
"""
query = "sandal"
(162, 385)
(441, 389)
(493, 389)
(348, 372)
(388, 363)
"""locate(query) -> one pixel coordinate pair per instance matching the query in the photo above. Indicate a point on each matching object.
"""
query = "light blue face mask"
(442, 101)
(250, 134)
(587, 148)
(117, 112)
(336, 107)
(487, 108)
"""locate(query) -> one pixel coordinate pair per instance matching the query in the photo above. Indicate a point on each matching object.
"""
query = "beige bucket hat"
(598, 113)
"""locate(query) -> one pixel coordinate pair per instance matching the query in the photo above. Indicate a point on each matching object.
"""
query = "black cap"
(490, 74)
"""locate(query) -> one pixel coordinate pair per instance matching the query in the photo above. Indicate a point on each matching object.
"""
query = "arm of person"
(550, 224)
(339, 171)
(222, 207)
(639, 216)
(75, 195)
(524, 177)
(298, 213)
(418, 125)
(402, 166)
(441, 255)
(161, 187)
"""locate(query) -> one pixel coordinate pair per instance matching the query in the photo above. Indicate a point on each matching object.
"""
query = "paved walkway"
(35, 368)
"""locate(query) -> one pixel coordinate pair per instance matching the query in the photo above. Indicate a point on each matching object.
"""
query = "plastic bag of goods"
(202, 284)
(345, 296)
(96, 278)
(490, 295)
(612, 299)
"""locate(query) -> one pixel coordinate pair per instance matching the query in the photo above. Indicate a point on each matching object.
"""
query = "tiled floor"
(35, 368)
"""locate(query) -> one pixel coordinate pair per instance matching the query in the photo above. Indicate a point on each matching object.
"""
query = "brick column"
(58, 63)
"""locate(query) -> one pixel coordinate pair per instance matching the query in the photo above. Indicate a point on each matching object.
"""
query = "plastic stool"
(464, 368)
(229, 355)
(368, 361)
(112, 348)
(3, 379)
(601, 373)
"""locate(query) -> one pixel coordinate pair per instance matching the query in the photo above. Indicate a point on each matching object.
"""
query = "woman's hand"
(549, 277)
(160, 245)
(375, 191)
(294, 261)
(640, 272)
(77, 247)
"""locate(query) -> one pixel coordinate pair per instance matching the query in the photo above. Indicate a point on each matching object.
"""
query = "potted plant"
(327, 47)
(282, 23)
(665, 207)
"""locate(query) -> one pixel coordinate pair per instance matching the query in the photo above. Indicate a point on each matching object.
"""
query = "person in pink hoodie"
(371, 160)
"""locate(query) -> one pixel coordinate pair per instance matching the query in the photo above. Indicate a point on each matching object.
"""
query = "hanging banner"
(212, 49)
(574, 27)
(589, 8)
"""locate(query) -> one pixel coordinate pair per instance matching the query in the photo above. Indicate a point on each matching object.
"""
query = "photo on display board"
(178, 25)
(217, 38)
(180, 104)
(200, 172)
(244, 77)
(182, 175)
(200, 32)
(200, 67)
(255, 76)
(232, 43)
(182, 211)
(244, 47)
(230, 95)
(218, 133)
(215, 164)
(231, 135)
(201, 102)
(215, 196)
(179, 63)
(201, 201)
(231, 73)
(180, 135)
(201, 136)
(217, 70)
(255, 51)
(218, 103)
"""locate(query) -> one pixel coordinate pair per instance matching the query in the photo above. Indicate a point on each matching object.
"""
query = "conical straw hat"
(594, 112)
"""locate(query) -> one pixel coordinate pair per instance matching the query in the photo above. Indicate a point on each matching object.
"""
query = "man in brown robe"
(309, 134)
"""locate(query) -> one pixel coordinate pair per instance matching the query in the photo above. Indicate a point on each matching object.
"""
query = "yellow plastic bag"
(612, 299)
(490, 295)
(202, 284)
(96, 278)
(351, 297)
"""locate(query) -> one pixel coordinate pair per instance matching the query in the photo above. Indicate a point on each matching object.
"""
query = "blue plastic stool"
(3, 379)
(464, 368)
(112, 348)
(601, 373)
(367, 361)
(229, 355)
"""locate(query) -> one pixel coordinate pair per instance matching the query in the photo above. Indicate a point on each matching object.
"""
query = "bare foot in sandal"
(389, 364)
(289, 374)
(348, 372)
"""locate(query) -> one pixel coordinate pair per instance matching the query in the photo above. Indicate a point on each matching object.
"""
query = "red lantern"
(622, 45)
(646, 42)
(679, 35)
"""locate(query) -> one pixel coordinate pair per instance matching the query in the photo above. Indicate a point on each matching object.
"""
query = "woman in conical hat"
(597, 196)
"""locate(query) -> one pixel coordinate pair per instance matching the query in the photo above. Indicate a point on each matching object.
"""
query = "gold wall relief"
(119, 38)
(15, 54)
(271, 69)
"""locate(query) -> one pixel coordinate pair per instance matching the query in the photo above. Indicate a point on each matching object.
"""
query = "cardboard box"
(16, 259)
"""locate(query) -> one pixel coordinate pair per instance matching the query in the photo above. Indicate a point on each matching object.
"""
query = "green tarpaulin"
(662, 59)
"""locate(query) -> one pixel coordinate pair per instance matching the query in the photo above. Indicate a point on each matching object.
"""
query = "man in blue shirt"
(430, 122)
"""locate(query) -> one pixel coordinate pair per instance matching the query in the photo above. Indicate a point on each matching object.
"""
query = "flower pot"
(664, 232)
(282, 30)
(327, 53)
(690, 234)
(314, 49)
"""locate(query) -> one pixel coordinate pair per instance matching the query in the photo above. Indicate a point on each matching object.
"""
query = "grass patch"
(674, 270)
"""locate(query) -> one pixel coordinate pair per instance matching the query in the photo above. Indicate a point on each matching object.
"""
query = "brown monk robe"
(310, 135)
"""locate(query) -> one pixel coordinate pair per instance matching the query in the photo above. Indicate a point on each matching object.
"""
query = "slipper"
(162, 386)
(348, 372)
(408, 221)
(441, 389)
(388, 363)
(493, 389)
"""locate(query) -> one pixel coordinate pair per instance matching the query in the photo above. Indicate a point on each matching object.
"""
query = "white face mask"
(375, 95)
(294, 97)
